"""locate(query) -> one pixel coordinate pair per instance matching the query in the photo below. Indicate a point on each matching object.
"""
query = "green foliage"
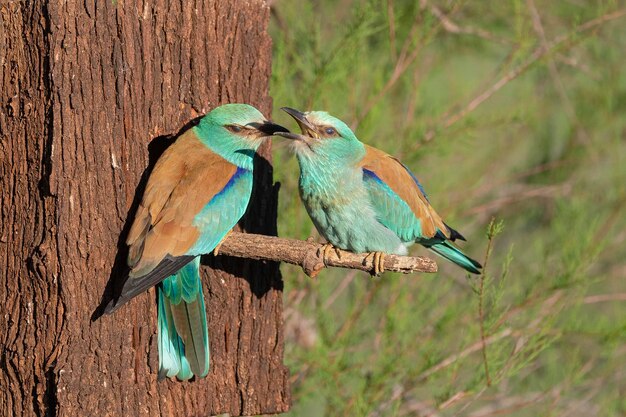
(544, 153)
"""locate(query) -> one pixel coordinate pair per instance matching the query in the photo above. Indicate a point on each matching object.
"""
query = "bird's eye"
(330, 131)
(234, 128)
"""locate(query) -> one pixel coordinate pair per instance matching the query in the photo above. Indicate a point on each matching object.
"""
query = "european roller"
(362, 199)
(198, 191)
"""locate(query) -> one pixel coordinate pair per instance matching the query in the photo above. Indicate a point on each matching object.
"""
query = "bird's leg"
(324, 251)
(216, 251)
(378, 262)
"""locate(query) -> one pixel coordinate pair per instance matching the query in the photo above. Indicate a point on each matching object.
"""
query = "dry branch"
(309, 256)
(541, 51)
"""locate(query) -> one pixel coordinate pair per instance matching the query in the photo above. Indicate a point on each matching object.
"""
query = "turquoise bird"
(362, 199)
(198, 191)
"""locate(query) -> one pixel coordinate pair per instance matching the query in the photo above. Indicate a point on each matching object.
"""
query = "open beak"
(268, 128)
(308, 130)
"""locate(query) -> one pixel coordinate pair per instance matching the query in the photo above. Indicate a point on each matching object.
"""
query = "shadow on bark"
(264, 192)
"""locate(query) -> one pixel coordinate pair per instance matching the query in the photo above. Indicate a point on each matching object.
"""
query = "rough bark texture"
(86, 85)
(309, 255)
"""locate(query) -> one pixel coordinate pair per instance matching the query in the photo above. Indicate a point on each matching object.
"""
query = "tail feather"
(191, 325)
(454, 234)
(453, 254)
(172, 360)
(183, 331)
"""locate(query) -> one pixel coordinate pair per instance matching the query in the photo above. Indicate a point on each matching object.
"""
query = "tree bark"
(85, 87)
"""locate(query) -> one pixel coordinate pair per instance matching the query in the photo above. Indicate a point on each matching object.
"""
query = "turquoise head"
(235, 131)
(325, 140)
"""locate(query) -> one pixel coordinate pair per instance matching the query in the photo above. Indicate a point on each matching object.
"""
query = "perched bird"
(362, 199)
(199, 189)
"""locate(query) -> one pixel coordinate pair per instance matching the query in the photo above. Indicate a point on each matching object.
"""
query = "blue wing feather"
(391, 211)
(223, 212)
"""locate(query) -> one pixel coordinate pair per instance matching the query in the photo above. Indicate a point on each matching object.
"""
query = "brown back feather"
(396, 176)
(186, 177)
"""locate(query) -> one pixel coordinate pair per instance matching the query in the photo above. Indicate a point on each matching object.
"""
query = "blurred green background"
(505, 110)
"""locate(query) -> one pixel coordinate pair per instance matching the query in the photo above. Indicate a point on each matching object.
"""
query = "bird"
(197, 192)
(363, 200)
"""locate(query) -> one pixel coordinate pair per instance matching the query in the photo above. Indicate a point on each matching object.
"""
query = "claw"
(327, 248)
(378, 262)
(324, 251)
(381, 262)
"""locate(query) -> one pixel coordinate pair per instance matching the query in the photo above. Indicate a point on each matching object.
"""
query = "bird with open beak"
(362, 199)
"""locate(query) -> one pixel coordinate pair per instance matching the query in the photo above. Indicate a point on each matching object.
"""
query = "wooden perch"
(308, 255)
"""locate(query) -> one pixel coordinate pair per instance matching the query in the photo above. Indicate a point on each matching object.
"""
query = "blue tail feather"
(172, 360)
(182, 325)
(453, 254)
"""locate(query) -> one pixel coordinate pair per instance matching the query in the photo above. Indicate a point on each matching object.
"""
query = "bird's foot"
(378, 262)
(324, 252)
(216, 251)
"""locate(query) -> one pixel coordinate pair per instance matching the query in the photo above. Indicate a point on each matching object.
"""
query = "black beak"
(296, 114)
(300, 118)
(268, 128)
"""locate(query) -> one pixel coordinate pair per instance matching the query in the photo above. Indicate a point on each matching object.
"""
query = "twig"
(362, 306)
(403, 62)
(342, 286)
(601, 298)
(392, 30)
(616, 212)
(520, 194)
(554, 71)
(453, 399)
(451, 27)
(541, 51)
(466, 352)
(509, 182)
(309, 257)
(576, 64)
(508, 404)
(481, 296)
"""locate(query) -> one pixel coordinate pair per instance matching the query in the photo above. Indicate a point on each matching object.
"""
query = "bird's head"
(236, 128)
(323, 136)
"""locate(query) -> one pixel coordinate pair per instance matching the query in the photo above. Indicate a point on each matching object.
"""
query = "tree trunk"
(85, 87)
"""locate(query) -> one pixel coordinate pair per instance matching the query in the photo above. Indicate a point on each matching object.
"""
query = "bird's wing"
(185, 179)
(399, 199)
(192, 199)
